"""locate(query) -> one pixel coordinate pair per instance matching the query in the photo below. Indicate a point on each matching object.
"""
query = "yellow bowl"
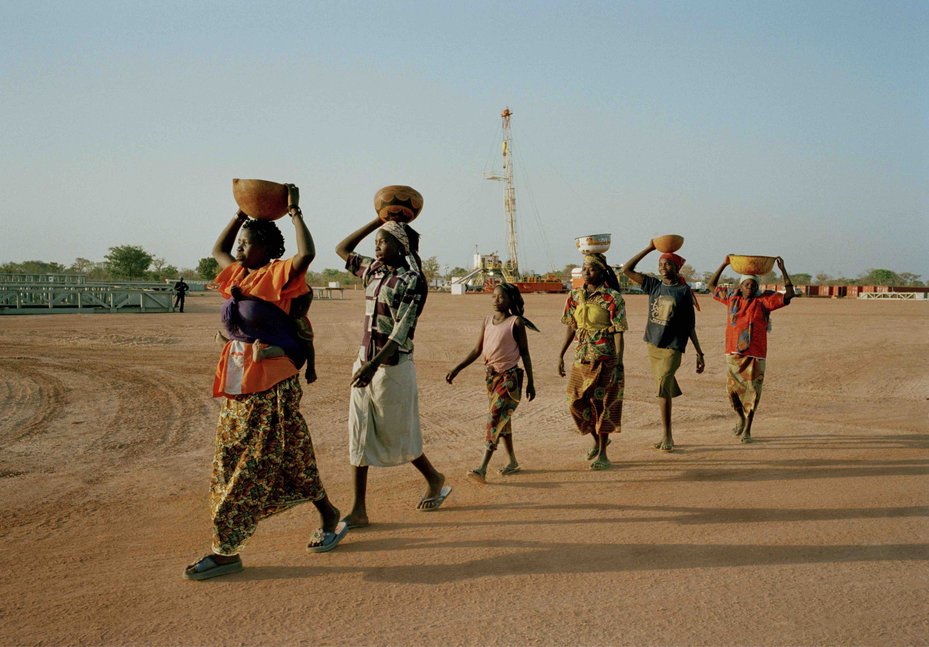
(593, 244)
(398, 202)
(751, 264)
(668, 243)
(260, 198)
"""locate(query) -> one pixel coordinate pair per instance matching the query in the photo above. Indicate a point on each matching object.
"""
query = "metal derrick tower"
(511, 266)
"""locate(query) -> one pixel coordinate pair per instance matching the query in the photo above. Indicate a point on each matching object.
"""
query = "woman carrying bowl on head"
(595, 317)
(263, 461)
(671, 323)
(383, 417)
(748, 321)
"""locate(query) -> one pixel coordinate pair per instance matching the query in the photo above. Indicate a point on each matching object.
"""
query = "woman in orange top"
(264, 461)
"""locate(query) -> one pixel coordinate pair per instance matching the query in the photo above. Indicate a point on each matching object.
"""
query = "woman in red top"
(747, 326)
(264, 461)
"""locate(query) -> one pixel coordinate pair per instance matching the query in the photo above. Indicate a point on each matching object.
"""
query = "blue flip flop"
(208, 567)
(323, 541)
(434, 502)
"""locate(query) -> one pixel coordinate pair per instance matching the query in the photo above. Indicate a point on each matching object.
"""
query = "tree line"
(134, 263)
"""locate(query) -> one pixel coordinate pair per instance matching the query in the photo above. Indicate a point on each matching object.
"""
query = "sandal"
(323, 541)
(208, 567)
(508, 469)
(593, 451)
(600, 464)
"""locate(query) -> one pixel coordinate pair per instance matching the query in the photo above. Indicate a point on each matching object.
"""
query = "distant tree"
(565, 273)
(822, 278)
(880, 277)
(688, 272)
(458, 271)
(82, 266)
(33, 267)
(128, 261)
(207, 268)
(801, 279)
(431, 268)
(908, 278)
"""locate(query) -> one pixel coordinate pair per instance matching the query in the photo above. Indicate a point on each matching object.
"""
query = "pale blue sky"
(799, 129)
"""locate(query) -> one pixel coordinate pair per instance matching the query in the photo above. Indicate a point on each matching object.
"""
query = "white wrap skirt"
(383, 417)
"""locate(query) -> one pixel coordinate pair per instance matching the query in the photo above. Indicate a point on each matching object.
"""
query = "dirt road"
(818, 533)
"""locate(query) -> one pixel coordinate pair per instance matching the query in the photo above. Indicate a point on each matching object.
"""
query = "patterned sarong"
(744, 377)
(264, 463)
(504, 391)
(594, 403)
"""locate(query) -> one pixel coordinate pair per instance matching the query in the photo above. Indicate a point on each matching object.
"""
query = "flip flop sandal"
(600, 465)
(434, 502)
(323, 541)
(593, 451)
(208, 567)
(509, 469)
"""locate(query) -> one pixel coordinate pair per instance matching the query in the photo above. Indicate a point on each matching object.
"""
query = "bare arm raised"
(788, 284)
(306, 248)
(351, 241)
(712, 283)
(222, 249)
(629, 266)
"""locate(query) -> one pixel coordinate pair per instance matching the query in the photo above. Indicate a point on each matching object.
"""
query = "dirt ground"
(818, 533)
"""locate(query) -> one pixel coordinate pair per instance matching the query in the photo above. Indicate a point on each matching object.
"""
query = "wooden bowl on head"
(260, 199)
(593, 244)
(756, 265)
(398, 202)
(668, 244)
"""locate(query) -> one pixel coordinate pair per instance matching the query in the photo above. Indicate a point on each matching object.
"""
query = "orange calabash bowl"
(668, 244)
(260, 199)
(398, 202)
(757, 265)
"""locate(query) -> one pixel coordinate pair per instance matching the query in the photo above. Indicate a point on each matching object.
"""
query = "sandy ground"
(816, 534)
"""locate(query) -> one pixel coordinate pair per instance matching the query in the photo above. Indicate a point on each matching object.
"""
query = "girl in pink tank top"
(502, 341)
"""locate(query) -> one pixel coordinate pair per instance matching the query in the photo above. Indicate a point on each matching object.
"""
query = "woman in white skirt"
(383, 417)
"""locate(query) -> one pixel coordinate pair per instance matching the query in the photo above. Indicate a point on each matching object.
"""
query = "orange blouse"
(236, 373)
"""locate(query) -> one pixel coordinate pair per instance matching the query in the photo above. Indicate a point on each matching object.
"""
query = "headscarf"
(401, 233)
(599, 260)
(674, 258)
(678, 262)
(752, 277)
(396, 230)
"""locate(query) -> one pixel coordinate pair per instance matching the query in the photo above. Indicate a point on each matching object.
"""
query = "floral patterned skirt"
(744, 377)
(264, 463)
(594, 400)
(504, 391)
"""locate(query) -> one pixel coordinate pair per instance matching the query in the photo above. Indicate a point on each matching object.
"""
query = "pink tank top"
(500, 349)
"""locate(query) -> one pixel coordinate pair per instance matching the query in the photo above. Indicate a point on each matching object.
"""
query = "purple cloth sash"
(249, 318)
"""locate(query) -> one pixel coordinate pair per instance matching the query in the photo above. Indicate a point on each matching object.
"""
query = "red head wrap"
(679, 263)
(674, 258)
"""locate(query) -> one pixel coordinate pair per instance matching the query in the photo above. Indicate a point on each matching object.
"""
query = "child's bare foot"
(478, 475)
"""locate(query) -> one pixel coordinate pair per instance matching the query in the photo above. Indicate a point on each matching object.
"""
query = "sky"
(798, 129)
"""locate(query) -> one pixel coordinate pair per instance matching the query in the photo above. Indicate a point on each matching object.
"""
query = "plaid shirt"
(595, 340)
(391, 305)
